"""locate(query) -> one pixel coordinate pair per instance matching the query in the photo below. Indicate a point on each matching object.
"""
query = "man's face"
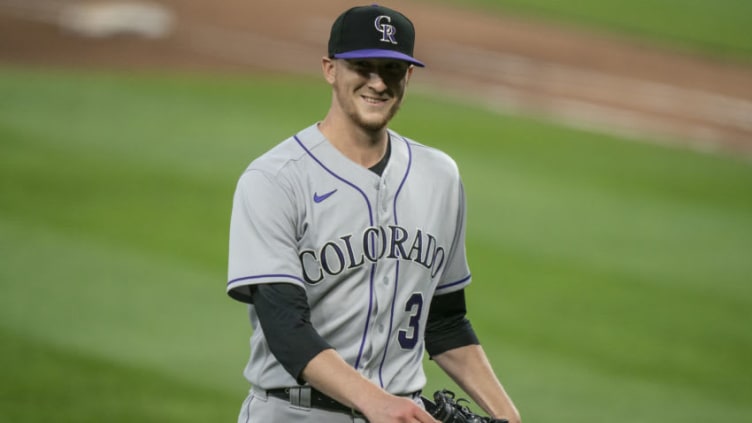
(368, 91)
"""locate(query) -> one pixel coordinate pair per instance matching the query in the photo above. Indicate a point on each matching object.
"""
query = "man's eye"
(361, 65)
(396, 68)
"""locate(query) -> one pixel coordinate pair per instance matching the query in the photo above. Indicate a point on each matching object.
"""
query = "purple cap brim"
(378, 54)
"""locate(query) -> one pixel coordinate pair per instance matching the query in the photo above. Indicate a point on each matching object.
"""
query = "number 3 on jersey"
(408, 338)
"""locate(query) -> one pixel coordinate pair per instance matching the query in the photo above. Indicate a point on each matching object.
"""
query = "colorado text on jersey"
(391, 242)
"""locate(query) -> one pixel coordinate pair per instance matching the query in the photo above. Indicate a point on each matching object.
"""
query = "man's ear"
(409, 74)
(329, 69)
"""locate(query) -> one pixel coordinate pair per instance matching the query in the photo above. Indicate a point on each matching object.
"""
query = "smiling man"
(347, 241)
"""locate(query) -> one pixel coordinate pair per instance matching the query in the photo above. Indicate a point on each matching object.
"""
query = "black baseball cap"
(373, 32)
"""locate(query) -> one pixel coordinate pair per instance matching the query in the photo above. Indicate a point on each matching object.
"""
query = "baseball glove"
(448, 410)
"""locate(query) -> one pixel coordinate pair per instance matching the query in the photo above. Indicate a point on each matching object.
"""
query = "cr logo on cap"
(386, 29)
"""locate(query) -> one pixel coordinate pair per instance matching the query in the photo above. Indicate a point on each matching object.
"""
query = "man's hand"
(388, 408)
(329, 373)
(450, 410)
(469, 367)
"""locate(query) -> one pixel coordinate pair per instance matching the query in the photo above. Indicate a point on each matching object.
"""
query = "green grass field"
(612, 278)
(714, 27)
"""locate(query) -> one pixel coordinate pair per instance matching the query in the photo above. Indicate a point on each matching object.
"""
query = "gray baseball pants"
(258, 407)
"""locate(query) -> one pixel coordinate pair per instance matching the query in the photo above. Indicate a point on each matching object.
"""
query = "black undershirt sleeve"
(285, 318)
(447, 327)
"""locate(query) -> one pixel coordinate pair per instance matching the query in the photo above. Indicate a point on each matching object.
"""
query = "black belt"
(311, 398)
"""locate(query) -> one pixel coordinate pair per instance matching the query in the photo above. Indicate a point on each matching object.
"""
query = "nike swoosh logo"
(319, 198)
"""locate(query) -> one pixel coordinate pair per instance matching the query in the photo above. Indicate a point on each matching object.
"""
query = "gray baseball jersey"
(370, 251)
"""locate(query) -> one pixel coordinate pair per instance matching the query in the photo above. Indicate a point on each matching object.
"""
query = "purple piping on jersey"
(451, 284)
(397, 266)
(331, 172)
(391, 323)
(404, 178)
(265, 276)
(373, 266)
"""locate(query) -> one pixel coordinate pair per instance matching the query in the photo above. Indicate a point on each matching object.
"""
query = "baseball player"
(347, 240)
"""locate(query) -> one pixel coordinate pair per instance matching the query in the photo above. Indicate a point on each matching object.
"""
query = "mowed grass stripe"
(121, 304)
(717, 28)
(145, 205)
(42, 382)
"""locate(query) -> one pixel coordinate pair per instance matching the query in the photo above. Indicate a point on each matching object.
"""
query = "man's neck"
(361, 146)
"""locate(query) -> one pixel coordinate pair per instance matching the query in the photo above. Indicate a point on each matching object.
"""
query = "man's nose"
(376, 81)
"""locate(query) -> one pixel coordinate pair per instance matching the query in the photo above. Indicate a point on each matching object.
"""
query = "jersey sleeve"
(457, 273)
(263, 245)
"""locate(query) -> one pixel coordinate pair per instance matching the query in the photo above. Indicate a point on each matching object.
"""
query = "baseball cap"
(373, 32)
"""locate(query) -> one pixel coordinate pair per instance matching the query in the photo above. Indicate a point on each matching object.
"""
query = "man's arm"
(285, 316)
(452, 344)
(330, 374)
(469, 367)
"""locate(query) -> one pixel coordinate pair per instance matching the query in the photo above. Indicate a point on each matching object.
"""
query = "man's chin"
(373, 126)
(375, 123)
